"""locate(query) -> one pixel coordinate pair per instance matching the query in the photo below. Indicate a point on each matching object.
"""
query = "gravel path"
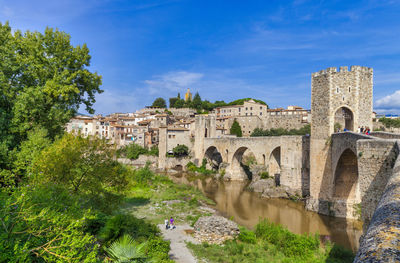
(179, 252)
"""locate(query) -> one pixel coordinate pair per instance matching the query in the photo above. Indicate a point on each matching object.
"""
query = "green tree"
(179, 104)
(236, 129)
(172, 102)
(159, 103)
(43, 81)
(196, 103)
(84, 166)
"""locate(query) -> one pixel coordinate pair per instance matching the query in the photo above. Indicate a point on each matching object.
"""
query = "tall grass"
(272, 243)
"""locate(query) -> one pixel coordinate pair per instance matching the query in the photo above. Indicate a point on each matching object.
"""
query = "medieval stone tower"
(339, 100)
(205, 128)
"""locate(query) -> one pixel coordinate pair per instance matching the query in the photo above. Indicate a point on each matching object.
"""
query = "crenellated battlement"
(341, 70)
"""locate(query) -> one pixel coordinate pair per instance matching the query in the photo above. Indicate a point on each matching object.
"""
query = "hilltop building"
(188, 95)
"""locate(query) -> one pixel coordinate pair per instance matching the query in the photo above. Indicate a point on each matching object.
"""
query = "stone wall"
(376, 159)
(176, 163)
(141, 161)
(385, 135)
(287, 122)
(381, 242)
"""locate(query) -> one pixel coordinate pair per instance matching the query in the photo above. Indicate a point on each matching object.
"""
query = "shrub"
(264, 175)
(125, 249)
(290, 243)
(180, 150)
(143, 175)
(133, 151)
(158, 249)
(94, 224)
(120, 224)
(247, 236)
(306, 129)
(340, 253)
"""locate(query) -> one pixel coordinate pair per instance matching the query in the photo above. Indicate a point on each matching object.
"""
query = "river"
(247, 208)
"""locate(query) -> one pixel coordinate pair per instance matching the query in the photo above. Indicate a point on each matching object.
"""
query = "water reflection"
(247, 208)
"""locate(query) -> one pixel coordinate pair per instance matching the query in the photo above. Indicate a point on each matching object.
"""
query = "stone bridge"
(283, 156)
(354, 175)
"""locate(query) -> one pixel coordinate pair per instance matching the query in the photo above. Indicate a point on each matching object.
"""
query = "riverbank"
(162, 198)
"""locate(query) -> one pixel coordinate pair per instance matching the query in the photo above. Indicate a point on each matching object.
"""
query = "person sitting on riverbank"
(166, 222)
(171, 222)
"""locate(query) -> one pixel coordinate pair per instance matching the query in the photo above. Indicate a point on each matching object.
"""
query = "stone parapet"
(381, 243)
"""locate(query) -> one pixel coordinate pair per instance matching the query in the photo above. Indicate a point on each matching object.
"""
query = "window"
(246, 108)
(260, 107)
(349, 89)
(240, 109)
(246, 113)
(343, 98)
(251, 113)
(260, 113)
(169, 136)
(337, 90)
(251, 108)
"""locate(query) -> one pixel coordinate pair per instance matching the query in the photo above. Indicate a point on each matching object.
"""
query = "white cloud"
(110, 101)
(389, 103)
(175, 81)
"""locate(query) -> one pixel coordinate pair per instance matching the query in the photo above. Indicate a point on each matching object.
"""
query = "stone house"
(177, 136)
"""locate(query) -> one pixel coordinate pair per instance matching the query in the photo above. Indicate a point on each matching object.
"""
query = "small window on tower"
(349, 89)
(343, 98)
(337, 90)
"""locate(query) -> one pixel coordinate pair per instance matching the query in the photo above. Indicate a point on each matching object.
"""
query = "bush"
(191, 167)
(133, 151)
(143, 175)
(180, 150)
(290, 243)
(280, 131)
(120, 224)
(264, 175)
(158, 249)
(247, 236)
(340, 253)
(94, 224)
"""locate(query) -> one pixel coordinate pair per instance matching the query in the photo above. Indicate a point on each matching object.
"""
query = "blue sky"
(225, 50)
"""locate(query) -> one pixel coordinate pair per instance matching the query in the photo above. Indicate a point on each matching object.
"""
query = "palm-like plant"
(126, 250)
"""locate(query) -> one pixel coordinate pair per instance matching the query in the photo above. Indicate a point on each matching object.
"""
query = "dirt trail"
(179, 252)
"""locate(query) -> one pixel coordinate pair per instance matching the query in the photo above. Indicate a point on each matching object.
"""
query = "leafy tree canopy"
(43, 81)
(241, 101)
(388, 122)
(159, 103)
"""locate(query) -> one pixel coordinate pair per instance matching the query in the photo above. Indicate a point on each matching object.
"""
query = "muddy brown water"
(247, 208)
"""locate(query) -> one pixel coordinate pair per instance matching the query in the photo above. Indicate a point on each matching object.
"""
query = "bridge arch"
(237, 165)
(213, 156)
(274, 162)
(346, 176)
(344, 116)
